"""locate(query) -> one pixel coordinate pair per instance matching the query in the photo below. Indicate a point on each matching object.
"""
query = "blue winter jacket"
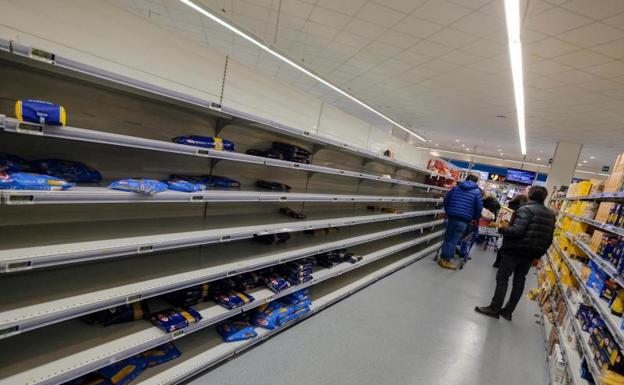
(464, 202)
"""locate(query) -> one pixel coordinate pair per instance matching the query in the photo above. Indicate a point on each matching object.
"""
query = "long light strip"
(512, 14)
(266, 48)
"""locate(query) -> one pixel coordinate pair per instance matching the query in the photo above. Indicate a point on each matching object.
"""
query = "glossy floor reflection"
(416, 326)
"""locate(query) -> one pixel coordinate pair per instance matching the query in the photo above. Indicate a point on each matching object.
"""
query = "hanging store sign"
(496, 177)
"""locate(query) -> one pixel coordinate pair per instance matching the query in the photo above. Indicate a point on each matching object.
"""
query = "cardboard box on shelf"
(596, 239)
(615, 181)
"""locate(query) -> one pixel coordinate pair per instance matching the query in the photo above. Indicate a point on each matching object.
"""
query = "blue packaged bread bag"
(161, 354)
(30, 181)
(236, 331)
(174, 319)
(185, 185)
(268, 315)
(13, 163)
(69, 170)
(123, 372)
(205, 141)
(141, 186)
(41, 112)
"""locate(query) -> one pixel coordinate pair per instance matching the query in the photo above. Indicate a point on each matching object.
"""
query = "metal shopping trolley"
(462, 250)
(489, 232)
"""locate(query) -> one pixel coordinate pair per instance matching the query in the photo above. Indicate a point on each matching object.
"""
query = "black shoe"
(506, 314)
(487, 310)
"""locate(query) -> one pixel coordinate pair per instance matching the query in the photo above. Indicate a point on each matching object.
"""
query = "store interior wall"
(100, 34)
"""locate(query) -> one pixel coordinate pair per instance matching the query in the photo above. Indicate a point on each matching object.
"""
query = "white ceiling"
(441, 66)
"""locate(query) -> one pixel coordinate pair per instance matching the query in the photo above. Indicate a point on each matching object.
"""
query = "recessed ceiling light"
(437, 145)
(500, 153)
(580, 164)
(592, 157)
(539, 158)
(584, 161)
(226, 24)
(512, 16)
(463, 145)
(457, 140)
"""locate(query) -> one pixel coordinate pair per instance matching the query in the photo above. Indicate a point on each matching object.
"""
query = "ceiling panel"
(441, 66)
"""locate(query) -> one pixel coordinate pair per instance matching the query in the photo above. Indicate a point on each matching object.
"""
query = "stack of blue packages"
(141, 186)
(30, 181)
(297, 272)
(205, 141)
(268, 315)
(160, 354)
(69, 170)
(236, 331)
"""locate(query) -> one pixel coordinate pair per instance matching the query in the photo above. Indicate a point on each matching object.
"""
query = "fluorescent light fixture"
(250, 38)
(512, 15)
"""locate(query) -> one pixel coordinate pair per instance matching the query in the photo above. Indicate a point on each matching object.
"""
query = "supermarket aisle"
(416, 326)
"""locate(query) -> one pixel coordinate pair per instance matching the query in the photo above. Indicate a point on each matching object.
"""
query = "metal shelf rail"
(601, 225)
(610, 196)
(92, 347)
(19, 259)
(99, 195)
(38, 313)
(174, 373)
(84, 135)
(611, 321)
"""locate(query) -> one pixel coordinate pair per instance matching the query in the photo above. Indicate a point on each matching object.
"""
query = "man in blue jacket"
(463, 204)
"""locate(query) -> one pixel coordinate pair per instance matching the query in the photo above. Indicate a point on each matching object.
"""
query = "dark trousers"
(519, 267)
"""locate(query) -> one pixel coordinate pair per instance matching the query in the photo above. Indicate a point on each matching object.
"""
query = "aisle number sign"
(496, 177)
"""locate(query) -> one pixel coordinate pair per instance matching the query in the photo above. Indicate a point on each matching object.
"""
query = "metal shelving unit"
(197, 358)
(601, 225)
(84, 135)
(611, 196)
(88, 347)
(34, 309)
(59, 253)
(102, 195)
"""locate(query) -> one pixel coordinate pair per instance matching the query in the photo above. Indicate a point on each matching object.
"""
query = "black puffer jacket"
(531, 232)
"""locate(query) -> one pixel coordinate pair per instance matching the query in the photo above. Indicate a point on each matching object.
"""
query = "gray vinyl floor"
(416, 326)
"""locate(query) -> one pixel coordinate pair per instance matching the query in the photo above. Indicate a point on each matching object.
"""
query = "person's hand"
(503, 224)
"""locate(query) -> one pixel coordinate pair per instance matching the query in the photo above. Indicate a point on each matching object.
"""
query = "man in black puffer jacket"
(526, 239)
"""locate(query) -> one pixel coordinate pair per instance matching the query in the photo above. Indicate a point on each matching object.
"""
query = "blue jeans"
(466, 246)
(452, 235)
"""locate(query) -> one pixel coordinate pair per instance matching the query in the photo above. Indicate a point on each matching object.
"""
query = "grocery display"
(221, 239)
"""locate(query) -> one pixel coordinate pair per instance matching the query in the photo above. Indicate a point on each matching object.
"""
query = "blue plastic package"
(142, 186)
(276, 283)
(233, 299)
(297, 296)
(205, 141)
(185, 185)
(12, 163)
(161, 354)
(41, 112)
(71, 171)
(210, 181)
(268, 315)
(293, 316)
(175, 319)
(236, 331)
(122, 372)
(30, 181)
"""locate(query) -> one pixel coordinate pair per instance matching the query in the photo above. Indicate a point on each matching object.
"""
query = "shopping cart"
(462, 250)
(489, 232)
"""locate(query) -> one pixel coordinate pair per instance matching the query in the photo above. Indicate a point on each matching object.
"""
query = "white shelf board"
(608, 196)
(67, 350)
(205, 349)
(53, 299)
(84, 135)
(57, 252)
(15, 51)
(601, 225)
(100, 195)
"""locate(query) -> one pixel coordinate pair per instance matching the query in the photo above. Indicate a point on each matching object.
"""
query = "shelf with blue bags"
(206, 348)
(54, 247)
(99, 195)
(14, 51)
(101, 286)
(600, 225)
(79, 134)
(72, 348)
